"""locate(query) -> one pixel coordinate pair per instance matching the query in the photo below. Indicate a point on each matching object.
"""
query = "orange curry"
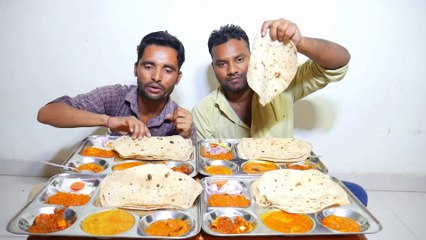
(91, 167)
(68, 199)
(97, 152)
(341, 224)
(287, 222)
(226, 200)
(226, 225)
(47, 223)
(168, 227)
(183, 169)
(218, 170)
(258, 167)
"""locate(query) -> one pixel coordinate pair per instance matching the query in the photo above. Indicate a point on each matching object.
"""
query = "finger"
(170, 116)
(136, 131)
(265, 26)
(147, 132)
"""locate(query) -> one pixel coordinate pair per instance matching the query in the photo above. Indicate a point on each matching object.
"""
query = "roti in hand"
(272, 67)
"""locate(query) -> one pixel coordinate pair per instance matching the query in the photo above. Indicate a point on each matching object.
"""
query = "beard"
(164, 94)
(235, 88)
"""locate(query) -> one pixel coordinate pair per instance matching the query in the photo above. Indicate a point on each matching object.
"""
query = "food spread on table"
(243, 193)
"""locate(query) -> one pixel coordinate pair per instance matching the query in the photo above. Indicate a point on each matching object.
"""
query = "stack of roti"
(298, 191)
(271, 68)
(155, 148)
(274, 149)
(148, 187)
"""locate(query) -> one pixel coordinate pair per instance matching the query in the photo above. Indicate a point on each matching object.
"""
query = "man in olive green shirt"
(233, 109)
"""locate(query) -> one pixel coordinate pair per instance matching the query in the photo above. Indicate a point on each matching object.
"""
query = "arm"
(327, 54)
(62, 115)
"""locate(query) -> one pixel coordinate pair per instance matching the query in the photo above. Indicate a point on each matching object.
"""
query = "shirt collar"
(132, 99)
(222, 103)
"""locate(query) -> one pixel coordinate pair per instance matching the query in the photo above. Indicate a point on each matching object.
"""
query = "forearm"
(327, 54)
(64, 116)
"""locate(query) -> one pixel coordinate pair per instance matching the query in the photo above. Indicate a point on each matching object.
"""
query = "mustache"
(154, 84)
(234, 76)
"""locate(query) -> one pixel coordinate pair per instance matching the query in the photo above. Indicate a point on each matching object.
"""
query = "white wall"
(371, 122)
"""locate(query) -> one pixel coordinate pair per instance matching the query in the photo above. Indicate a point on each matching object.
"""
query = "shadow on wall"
(211, 79)
(314, 115)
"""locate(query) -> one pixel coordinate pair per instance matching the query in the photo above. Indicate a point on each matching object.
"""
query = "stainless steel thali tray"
(236, 164)
(109, 163)
(355, 210)
(76, 214)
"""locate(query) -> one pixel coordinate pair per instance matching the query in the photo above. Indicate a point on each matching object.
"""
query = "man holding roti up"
(142, 110)
(233, 109)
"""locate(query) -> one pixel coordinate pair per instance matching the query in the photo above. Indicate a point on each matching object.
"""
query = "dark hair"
(162, 38)
(225, 33)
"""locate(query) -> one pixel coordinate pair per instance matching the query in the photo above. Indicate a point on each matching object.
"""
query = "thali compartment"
(151, 218)
(343, 212)
(26, 220)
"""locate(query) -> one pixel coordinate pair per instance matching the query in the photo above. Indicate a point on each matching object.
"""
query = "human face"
(230, 64)
(157, 72)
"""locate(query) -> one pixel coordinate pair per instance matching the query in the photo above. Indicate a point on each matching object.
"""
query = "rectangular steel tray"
(237, 163)
(25, 217)
(75, 159)
(355, 210)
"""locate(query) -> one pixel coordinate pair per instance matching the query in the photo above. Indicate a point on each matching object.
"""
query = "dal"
(111, 222)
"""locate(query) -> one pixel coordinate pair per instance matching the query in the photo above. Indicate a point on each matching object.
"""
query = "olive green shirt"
(214, 117)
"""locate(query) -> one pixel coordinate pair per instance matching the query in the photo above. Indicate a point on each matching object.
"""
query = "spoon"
(62, 166)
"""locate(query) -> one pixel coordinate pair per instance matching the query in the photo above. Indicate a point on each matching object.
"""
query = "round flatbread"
(272, 67)
(274, 149)
(155, 148)
(298, 191)
(147, 187)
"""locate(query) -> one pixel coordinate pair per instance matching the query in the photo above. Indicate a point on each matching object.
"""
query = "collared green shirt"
(214, 117)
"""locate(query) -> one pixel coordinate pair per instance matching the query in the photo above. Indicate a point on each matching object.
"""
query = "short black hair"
(225, 33)
(162, 38)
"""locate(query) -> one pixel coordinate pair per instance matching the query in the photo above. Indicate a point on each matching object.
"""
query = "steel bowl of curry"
(90, 165)
(219, 167)
(47, 219)
(258, 167)
(285, 222)
(342, 220)
(167, 223)
(229, 221)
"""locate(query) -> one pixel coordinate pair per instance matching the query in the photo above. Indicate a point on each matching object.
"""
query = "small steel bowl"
(342, 212)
